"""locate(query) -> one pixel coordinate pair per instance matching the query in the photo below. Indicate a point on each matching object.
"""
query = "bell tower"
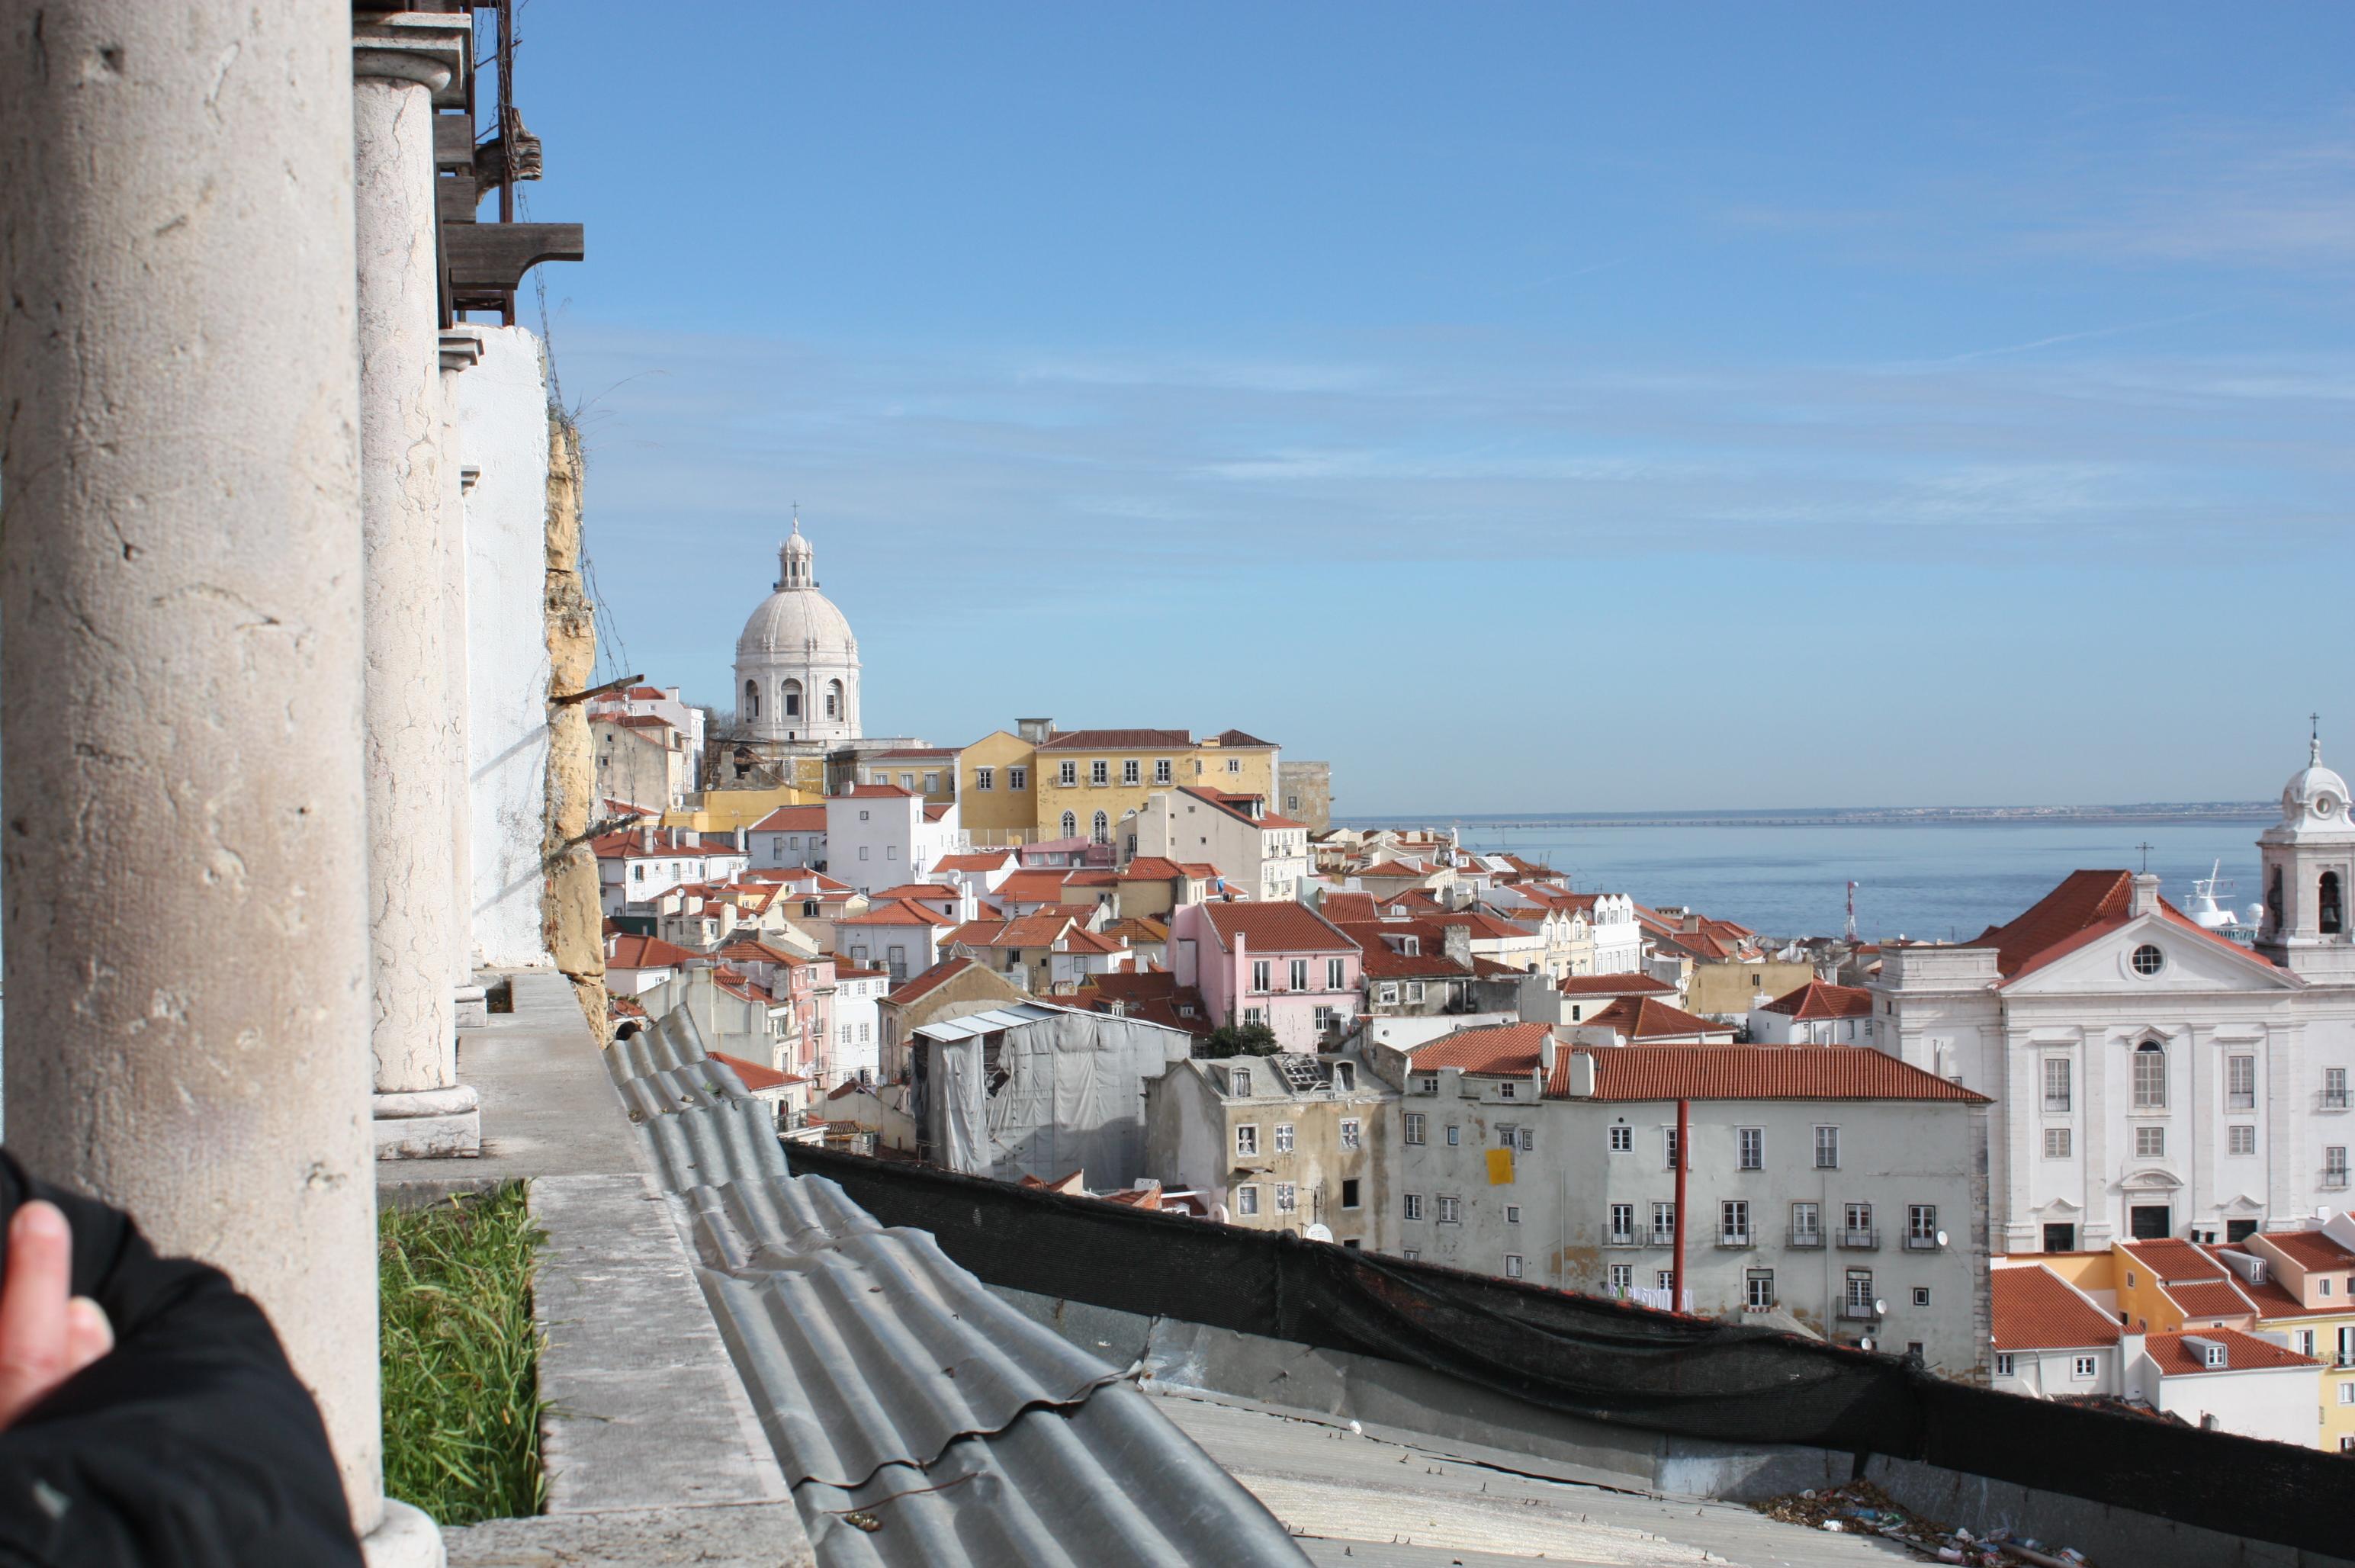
(2305, 873)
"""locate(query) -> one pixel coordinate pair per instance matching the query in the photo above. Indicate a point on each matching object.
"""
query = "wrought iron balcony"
(1735, 1240)
(1859, 1312)
(1798, 1238)
(1860, 1239)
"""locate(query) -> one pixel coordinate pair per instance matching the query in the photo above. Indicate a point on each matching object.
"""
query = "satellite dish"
(1881, 1309)
(1865, 1343)
(1319, 1233)
(1941, 1238)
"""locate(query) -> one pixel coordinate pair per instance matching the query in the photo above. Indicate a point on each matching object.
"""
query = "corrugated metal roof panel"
(894, 1386)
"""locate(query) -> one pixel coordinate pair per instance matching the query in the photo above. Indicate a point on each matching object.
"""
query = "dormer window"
(1239, 1081)
(1410, 946)
(2215, 1354)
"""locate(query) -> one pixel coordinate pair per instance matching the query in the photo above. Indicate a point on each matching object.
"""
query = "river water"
(1932, 881)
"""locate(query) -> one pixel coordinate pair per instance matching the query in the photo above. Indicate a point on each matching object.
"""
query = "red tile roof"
(1648, 1017)
(647, 953)
(1755, 1072)
(1044, 886)
(752, 1075)
(1120, 741)
(912, 753)
(2243, 1352)
(1231, 737)
(2086, 905)
(920, 891)
(2171, 1260)
(932, 979)
(1816, 999)
(1489, 1050)
(2209, 1298)
(1382, 961)
(874, 791)
(2036, 1309)
(1348, 908)
(793, 819)
(1393, 869)
(1239, 808)
(1614, 985)
(979, 860)
(897, 911)
(2312, 1249)
(1275, 928)
(1079, 939)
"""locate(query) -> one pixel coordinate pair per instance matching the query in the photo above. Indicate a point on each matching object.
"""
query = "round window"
(2323, 806)
(2148, 960)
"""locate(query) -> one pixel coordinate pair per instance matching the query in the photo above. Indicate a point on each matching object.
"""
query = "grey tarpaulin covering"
(1033, 1090)
(895, 1389)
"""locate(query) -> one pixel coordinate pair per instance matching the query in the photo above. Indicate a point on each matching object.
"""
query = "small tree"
(1240, 1040)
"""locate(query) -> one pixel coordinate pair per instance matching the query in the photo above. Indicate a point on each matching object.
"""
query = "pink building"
(1282, 964)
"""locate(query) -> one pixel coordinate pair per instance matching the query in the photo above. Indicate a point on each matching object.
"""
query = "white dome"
(799, 623)
(2315, 800)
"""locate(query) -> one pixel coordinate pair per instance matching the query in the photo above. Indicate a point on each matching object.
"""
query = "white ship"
(2211, 909)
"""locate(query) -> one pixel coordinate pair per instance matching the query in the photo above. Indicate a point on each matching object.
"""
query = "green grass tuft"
(461, 1402)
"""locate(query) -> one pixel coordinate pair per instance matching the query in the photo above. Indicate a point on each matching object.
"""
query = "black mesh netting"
(1596, 1358)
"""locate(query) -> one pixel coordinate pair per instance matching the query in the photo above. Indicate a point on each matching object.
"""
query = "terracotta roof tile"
(1275, 928)
(1238, 738)
(1755, 1072)
(2243, 1352)
(1120, 741)
(897, 911)
(1383, 961)
(1348, 908)
(647, 953)
(2036, 1309)
(1489, 1050)
(1614, 985)
(1648, 1017)
(752, 1075)
(1816, 999)
(2208, 1298)
(980, 860)
(2312, 1249)
(930, 980)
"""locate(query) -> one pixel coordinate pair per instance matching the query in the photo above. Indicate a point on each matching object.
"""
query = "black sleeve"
(192, 1444)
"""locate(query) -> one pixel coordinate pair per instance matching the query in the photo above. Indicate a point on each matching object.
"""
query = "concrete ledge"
(742, 1535)
(430, 1137)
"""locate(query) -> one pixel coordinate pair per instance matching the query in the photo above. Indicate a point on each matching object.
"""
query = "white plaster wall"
(2277, 1404)
(503, 431)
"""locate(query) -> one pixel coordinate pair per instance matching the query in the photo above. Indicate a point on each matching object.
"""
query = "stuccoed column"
(461, 346)
(187, 918)
(400, 63)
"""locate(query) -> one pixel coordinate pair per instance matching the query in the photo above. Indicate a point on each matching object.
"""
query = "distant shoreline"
(2158, 813)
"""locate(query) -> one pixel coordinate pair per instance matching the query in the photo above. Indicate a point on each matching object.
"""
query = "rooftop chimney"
(646, 839)
(2146, 894)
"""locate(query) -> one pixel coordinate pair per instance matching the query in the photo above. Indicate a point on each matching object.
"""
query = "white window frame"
(1283, 1137)
(1412, 1130)
(1826, 1146)
(2084, 1368)
(1352, 1133)
(1247, 1140)
(1749, 1150)
(2059, 1143)
(1287, 1198)
(1451, 1210)
(1512, 1266)
(1411, 1207)
(1246, 1201)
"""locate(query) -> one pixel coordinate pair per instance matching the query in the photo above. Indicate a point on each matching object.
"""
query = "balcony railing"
(1860, 1239)
(1664, 1237)
(1859, 1312)
(1623, 1239)
(1735, 1240)
(1809, 1237)
(1923, 1244)
(2334, 1099)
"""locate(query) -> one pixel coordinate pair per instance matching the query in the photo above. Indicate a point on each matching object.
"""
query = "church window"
(2056, 1142)
(2240, 1082)
(2150, 1076)
(2332, 905)
(793, 699)
(2148, 960)
(1102, 830)
(2240, 1139)
(751, 700)
(2150, 1143)
(2273, 900)
(2334, 1088)
(834, 700)
(1071, 825)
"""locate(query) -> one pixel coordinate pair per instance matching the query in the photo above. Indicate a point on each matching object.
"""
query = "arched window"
(834, 700)
(2274, 899)
(793, 699)
(2332, 905)
(751, 700)
(2150, 1076)
(1071, 825)
(1102, 830)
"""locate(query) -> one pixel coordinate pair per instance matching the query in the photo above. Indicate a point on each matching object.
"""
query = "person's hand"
(47, 1335)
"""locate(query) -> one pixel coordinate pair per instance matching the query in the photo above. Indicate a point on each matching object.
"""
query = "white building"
(2152, 1079)
(881, 836)
(796, 663)
(1818, 1013)
(2224, 1379)
(1838, 1188)
(2051, 1339)
(791, 838)
(637, 866)
(1258, 851)
(858, 1029)
(1618, 936)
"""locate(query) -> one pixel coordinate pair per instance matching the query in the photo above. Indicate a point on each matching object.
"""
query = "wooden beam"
(486, 258)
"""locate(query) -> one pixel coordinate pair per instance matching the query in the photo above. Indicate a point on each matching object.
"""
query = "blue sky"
(1524, 407)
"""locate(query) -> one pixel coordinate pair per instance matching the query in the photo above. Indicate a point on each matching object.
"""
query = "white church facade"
(2152, 1078)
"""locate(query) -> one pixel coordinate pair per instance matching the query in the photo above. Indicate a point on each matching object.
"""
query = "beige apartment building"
(1040, 783)
(1279, 1143)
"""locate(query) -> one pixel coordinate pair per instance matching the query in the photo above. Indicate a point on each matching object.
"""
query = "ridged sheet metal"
(896, 1389)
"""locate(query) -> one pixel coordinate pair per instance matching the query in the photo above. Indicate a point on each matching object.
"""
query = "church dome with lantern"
(797, 662)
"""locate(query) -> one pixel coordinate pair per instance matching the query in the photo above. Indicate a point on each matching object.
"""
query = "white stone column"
(462, 346)
(400, 64)
(180, 808)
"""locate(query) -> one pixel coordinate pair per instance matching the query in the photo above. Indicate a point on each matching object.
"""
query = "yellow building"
(996, 779)
(2308, 1295)
(1087, 782)
(928, 771)
(725, 810)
